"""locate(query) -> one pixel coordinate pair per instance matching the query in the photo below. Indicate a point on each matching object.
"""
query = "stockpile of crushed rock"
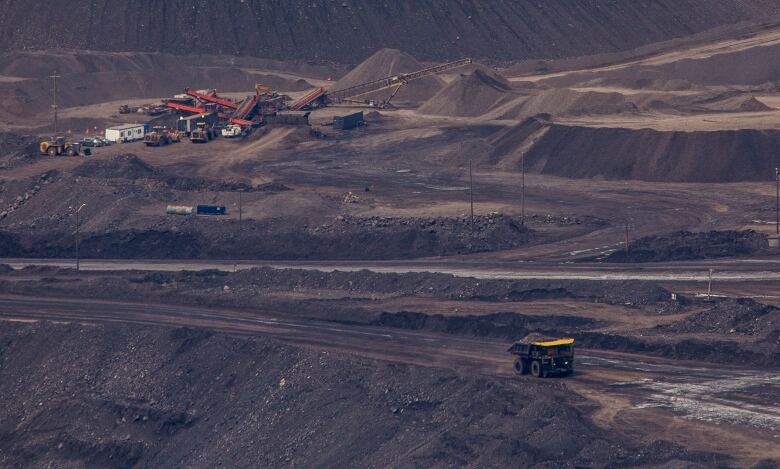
(389, 62)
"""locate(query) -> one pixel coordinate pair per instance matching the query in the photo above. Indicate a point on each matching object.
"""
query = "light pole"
(471, 193)
(78, 238)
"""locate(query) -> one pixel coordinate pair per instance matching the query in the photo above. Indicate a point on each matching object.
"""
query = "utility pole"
(54, 77)
(777, 202)
(471, 191)
(78, 238)
(522, 188)
(627, 237)
(240, 209)
(709, 285)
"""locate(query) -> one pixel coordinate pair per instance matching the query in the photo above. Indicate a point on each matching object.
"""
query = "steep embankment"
(643, 154)
(345, 32)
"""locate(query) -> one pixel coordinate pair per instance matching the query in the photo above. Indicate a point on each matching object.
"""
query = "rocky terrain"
(684, 245)
(173, 397)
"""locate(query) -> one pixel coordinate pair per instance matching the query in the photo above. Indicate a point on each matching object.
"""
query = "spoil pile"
(741, 316)
(470, 95)
(388, 62)
(129, 166)
(642, 154)
(568, 102)
(17, 149)
(125, 396)
(685, 245)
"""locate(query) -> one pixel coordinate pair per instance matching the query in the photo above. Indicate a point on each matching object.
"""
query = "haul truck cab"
(543, 356)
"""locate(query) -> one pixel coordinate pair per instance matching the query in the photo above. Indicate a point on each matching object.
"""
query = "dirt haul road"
(724, 270)
(712, 406)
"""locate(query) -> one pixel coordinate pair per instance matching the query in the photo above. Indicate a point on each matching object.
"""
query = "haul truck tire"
(536, 369)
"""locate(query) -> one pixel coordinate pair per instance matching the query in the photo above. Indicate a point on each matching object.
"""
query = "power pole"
(522, 189)
(471, 191)
(709, 285)
(777, 202)
(78, 237)
(54, 77)
(240, 209)
(626, 236)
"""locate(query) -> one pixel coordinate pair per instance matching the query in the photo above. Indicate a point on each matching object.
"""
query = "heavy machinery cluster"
(204, 115)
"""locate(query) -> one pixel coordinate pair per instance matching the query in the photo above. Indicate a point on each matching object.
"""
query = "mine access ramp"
(543, 356)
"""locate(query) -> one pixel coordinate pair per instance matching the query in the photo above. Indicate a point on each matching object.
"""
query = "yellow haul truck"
(543, 356)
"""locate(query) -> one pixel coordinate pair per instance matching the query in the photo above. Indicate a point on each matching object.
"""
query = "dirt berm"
(345, 237)
(684, 245)
(133, 396)
(642, 154)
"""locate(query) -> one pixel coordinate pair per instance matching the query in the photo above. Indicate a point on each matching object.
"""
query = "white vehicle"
(232, 131)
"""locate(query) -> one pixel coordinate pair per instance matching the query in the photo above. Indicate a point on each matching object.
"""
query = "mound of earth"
(204, 287)
(385, 63)
(344, 32)
(126, 166)
(742, 316)
(642, 154)
(469, 95)
(565, 101)
(740, 104)
(125, 396)
(684, 245)
(16, 149)
(129, 166)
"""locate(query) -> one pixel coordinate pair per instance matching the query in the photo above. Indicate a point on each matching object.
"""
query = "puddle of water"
(711, 400)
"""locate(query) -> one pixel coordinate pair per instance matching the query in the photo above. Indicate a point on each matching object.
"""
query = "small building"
(126, 132)
(186, 124)
(350, 121)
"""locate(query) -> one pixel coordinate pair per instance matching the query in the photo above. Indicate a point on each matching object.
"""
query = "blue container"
(211, 210)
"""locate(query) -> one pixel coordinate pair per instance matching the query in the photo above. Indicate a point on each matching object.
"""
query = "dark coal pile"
(16, 150)
(126, 166)
(713, 350)
(246, 287)
(685, 245)
(740, 316)
(131, 396)
(502, 30)
(343, 238)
